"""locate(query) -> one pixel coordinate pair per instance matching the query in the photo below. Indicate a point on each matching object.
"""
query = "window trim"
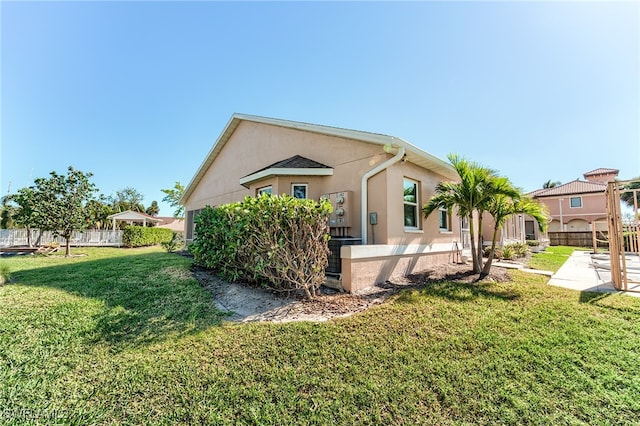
(415, 205)
(262, 190)
(449, 227)
(571, 206)
(306, 190)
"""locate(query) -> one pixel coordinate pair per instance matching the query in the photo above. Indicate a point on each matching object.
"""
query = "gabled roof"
(601, 171)
(572, 188)
(131, 215)
(413, 154)
(292, 166)
(295, 162)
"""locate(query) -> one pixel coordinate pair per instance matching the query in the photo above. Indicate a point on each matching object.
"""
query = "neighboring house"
(576, 205)
(377, 184)
(175, 224)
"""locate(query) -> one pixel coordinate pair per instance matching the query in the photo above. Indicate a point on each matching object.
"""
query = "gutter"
(365, 186)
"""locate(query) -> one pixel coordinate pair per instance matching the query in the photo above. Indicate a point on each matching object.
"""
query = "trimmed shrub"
(140, 236)
(279, 241)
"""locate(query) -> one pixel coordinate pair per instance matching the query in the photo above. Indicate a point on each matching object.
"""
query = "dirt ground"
(245, 303)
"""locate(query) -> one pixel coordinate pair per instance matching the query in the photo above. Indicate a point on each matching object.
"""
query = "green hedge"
(140, 236)
(279, 241)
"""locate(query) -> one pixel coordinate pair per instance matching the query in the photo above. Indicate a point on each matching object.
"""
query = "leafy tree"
(8, 210)
(627, 197)
(153, 209)
(98, 211)
(551, 184)
(128, 199)
(27, 213)
(503, 206)
(60, 203)
(173, 197)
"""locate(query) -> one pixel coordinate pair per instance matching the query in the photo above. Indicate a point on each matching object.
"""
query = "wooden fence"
(578, 239)
(18, 237)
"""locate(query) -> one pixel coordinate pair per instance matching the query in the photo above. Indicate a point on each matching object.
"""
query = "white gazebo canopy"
(132, 217)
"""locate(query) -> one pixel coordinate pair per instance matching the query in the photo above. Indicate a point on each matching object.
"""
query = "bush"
(140, 236)
(174, 244)
(533, 243)
(277, 239)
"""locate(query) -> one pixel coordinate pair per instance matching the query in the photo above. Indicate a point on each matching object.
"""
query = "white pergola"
(132, 217)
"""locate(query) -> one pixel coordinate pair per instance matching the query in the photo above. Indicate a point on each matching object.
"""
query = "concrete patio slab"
(581, 272)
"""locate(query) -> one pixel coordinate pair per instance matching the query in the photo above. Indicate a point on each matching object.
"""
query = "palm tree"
(551, 184)
(503, 206)
(471, 194)
(627, 197)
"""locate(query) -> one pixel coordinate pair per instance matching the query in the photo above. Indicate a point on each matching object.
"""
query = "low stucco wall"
(365, 266)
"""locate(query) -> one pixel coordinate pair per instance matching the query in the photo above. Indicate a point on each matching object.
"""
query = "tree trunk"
(29, 236)
(474, 254)
(487, 266)
(480, 241)
(67, 249)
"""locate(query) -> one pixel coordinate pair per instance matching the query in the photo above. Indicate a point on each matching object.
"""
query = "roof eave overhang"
(255, 177)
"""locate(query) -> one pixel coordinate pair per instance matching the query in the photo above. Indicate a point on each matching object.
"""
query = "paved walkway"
(583, 273)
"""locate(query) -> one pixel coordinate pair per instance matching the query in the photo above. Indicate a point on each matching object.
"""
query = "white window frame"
(414, 205)
(306, 190)
(264, 190)
(571, 202)
(447, 219)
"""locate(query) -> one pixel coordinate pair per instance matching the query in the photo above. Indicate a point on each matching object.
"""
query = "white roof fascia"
(285, 172)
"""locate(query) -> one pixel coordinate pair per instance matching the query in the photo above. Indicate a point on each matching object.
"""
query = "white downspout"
(365, 186)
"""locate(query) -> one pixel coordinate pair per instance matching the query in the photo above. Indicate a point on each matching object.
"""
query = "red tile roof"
(601, 171)
(572, 188)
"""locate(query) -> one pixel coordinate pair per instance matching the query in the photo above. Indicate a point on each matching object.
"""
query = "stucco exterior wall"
(255, 145)
(364, 266)
(593, 209)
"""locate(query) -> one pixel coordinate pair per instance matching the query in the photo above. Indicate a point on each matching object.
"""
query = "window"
(299, 190)
(411, 217)
(575, 202)
(444, 219)
(264, 190)
(191, 223)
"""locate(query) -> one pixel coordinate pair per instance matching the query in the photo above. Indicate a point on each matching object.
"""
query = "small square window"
(299, 190)
(264, 190)
(576, 202)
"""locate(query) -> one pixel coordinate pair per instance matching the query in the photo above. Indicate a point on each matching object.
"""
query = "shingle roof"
(295, 162)
(601, 171)
(572, 188)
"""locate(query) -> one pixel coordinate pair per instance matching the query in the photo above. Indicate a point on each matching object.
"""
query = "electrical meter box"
(342, 210)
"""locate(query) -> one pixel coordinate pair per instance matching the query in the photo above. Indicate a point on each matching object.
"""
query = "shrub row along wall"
(279, 241)
(140, 236)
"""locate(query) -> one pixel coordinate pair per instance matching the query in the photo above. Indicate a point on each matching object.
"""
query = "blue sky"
(137, 92)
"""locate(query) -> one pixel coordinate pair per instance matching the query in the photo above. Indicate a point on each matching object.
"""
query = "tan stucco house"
(376, 183)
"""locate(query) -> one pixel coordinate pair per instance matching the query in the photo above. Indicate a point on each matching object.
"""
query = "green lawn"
(551, 259)
(128, 337)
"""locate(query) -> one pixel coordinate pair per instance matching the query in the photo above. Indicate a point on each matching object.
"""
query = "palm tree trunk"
(474, 254)
(487, 266)
(480, 241)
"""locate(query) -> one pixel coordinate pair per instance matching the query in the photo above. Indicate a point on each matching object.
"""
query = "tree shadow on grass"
(145, 297)
(457, 286)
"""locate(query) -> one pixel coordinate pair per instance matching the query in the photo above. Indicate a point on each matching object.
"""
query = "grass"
(128, 337)
(551, 259)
